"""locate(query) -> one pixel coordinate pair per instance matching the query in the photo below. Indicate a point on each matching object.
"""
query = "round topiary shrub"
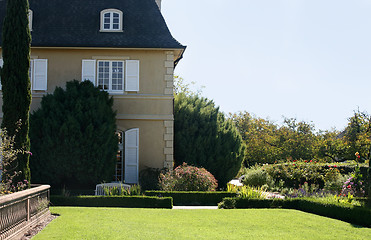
(188, 178)
(73, 137)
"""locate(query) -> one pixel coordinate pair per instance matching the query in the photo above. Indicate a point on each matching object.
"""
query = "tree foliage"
(73, 137)
(15, 81)
(267, 142)
(205, 138)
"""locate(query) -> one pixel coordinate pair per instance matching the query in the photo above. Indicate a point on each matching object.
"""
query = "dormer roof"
(76, 23)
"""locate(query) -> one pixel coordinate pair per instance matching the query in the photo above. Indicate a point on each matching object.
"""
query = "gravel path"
(195, 207)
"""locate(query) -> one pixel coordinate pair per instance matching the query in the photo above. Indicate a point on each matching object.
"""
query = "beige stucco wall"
(150, 109)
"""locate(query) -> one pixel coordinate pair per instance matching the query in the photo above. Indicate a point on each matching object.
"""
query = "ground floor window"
(119, 172)
(127, 159)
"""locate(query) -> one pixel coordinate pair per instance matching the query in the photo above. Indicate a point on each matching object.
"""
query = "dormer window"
(30, 19)
(111, 20)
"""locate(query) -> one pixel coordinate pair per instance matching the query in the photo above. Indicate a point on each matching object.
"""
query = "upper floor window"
(38, 74)
(111, 20)
(115, 76)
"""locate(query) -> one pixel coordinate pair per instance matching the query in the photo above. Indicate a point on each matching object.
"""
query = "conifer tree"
(73, 137)
(204, 138)
(15, 80)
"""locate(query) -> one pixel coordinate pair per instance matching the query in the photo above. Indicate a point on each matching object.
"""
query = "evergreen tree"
(73, 137)
(15, 81)
(204, 138)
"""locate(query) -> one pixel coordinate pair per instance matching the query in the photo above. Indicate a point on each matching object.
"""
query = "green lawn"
(124, 223)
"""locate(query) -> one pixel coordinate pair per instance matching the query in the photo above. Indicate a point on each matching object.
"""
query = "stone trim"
(169, 144)
(169, 75)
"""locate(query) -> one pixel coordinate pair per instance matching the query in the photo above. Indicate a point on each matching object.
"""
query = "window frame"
(111, 28)
(110, 77)
(30, 19)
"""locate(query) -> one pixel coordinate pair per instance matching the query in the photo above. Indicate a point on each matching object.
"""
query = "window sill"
(110, 30)
(121, 93)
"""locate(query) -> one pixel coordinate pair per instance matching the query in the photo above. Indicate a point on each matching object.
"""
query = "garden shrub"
(247, 191)
(8, 172)
(149, 178)
(353, 187)
(73, 139)
(188, 178)
(257, 177)
(134, 190)
(193, 198)
(296, 174)
(112, 201)
(227, 203)
(334, 181)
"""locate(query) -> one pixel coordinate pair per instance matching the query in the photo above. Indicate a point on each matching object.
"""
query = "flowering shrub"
(296, 173)
(355, 184)
(354, 187)
(7, 169)
(188, 178)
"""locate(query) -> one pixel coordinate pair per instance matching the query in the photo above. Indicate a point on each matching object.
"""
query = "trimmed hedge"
(193, 198)
(112, 201)
(352, 214)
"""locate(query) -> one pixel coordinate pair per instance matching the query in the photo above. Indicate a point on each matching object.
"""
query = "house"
(125, 48)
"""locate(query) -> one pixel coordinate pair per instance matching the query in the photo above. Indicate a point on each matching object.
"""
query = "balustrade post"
(28, 209)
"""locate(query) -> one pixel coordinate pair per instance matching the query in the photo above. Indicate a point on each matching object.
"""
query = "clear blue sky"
(308, 59)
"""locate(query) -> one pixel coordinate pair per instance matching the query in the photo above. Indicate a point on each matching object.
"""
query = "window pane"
(115, 20)
(106, 26)
(103, 75)
(116, 26)
(115, 15)
(117, 79)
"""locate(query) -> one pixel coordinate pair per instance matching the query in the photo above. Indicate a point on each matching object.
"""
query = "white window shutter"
(131, 155)
(1, 65)
(40, 74)
(132, 75)
(88, 70)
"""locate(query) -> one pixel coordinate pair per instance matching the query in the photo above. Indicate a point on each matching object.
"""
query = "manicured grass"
(124, 223)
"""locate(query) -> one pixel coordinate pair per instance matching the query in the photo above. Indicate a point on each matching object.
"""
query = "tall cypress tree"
(204, 138)
(15, 80)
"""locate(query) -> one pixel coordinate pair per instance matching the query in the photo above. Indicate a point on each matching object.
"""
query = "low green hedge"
(352, 214)
(112, 201)
(192, 198)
